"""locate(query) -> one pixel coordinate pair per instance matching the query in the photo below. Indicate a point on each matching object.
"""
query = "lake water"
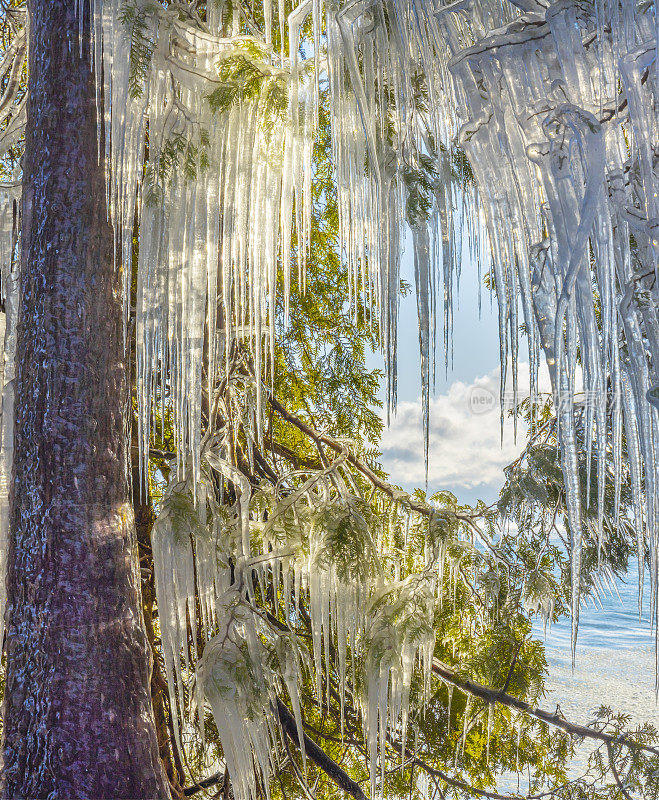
(615, 665)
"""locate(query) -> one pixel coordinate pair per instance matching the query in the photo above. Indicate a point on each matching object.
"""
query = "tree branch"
(391, 491)
(206, 783)
(616, 774)
(554, 719)
(318, 755)
(450, 780)
(511, 670)
(298, 772)
(297, 460)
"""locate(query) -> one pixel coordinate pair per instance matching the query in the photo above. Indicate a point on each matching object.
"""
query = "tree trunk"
(78, 716)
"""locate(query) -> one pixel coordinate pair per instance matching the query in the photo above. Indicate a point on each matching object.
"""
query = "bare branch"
(511, 669)
(298, 772)
(616, 774)
(206, 783)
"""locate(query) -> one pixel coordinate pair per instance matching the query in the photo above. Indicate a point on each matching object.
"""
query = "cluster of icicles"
(556, 108)
(556, 111)
(212, 242)
(559, 115)
(316, 547)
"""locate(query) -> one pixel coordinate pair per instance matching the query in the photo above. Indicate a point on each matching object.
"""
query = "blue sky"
(475, 341)
(466, 455)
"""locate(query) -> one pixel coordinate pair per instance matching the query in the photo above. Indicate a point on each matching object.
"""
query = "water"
(614, 663)
(614, 667)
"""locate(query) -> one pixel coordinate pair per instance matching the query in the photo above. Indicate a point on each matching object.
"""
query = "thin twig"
(298, 772)
(504, 688)
(614, 770)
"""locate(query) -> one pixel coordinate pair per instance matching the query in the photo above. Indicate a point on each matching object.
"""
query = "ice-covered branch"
(552, 718)
(388, 489)
(318, 755)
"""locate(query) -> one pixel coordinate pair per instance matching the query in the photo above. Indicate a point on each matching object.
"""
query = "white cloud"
(465, 437)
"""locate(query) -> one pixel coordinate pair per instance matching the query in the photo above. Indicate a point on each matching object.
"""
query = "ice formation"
(311, 538)
(558, 113)
(528, 129)
(209, 132)
(187, 571)
(554, 107)
(220, 159)
(12, 125)
(549, 108)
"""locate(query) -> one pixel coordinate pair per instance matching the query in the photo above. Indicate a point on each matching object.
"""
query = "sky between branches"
(466, 454)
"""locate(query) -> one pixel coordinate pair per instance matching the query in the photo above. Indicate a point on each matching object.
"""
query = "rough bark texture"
(78, 716)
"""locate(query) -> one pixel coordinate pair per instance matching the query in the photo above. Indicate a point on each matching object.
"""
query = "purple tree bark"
(78, 720)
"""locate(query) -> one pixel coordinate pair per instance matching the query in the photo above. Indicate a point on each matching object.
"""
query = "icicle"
(209, 175)
(450, 701)
(236, 685)
(490, 723)
(507, 93)
(178, 535)
(9, 271)
(465, 728)
(423, 279)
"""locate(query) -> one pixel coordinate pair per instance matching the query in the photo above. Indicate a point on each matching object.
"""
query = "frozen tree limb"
(391, 491)
(318, 755)
(551, 718)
